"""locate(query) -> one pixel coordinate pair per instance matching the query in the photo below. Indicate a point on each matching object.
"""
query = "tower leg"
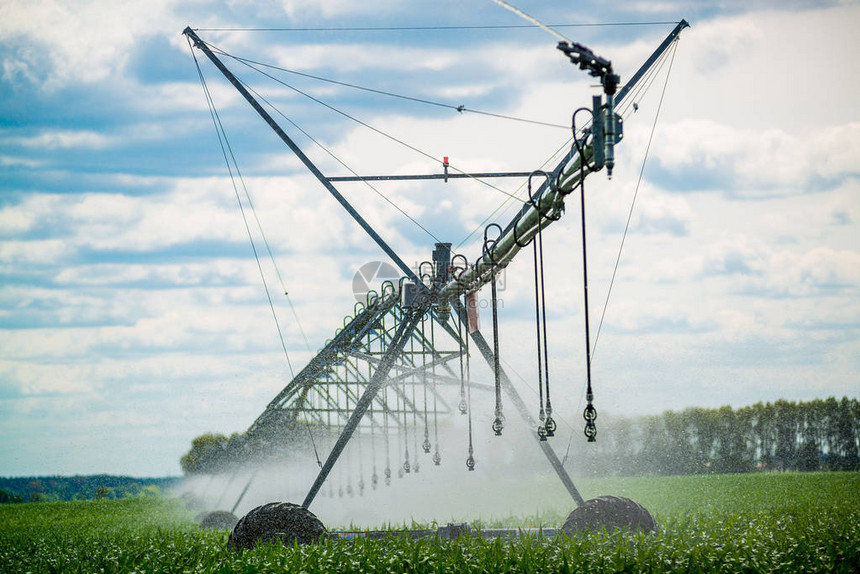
(523, 410)
(380, 377)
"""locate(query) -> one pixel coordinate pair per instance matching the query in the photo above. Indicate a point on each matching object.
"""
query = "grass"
(724, 523)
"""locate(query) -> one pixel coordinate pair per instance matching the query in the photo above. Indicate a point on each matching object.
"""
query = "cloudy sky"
(132, 312)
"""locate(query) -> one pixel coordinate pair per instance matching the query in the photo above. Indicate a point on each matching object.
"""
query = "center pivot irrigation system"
(394, 364)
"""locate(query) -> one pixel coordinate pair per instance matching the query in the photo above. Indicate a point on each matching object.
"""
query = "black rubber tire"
(217, 520)
(610, 513)
(276, 521)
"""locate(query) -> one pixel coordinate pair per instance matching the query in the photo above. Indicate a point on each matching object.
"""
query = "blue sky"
(132, 314)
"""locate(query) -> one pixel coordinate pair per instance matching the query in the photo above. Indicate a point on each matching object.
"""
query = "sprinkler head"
(498, 425)
(550, 426)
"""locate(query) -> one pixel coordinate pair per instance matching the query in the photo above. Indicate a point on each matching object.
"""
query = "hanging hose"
(550, 424)
(470, 460)
(387, 472)
(465, 399)
(437, 458)
(457, 271)
(374, 477)
(590, 413)
(499, 421)
(407, 467)
(416, 466)
(360, 465)
(426, 444)
(546, 426)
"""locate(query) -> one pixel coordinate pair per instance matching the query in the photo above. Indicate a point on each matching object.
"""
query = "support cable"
(341, 162)
(635, 195)
(437, 28)
(286, 294)
(364, 124)
(275, 265)
(459, 108)
(225, 148)
(219, 128)
(506, 203)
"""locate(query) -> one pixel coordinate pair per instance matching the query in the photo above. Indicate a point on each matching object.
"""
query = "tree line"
(818, 435)
(60, 488)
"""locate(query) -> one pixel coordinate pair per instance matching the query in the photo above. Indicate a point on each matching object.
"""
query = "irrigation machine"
(397, 361)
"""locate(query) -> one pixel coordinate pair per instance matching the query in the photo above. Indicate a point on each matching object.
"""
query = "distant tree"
(807, 456)
(102, 492)
(624, 452)
(845, 433)
(680, 456)
(7, 497)
(149, 490)
(786, 422)
(37, 497)
(764, 434)
(652, 458)
(203, 454)
(36, 486)
(706, 427)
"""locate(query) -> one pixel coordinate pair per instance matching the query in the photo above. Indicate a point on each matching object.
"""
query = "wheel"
(217, 520)
(609, 512)
(276, 521)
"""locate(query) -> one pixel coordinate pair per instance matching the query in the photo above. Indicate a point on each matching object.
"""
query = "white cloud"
(86, 41)
(312, 9)
(10, 161)
(746, 162)
(35, 252)
(64, 139)
(767, 79)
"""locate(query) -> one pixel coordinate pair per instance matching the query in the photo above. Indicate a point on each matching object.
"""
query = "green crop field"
(721, 523)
